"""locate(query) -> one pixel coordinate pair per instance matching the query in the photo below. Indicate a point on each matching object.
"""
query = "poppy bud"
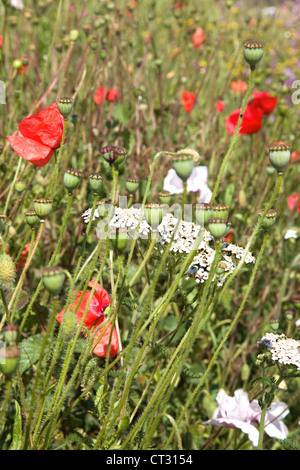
(53, 279)
(132, 185)
(220, 210)
(9, 359)
(154, 214)
(203, 213)
(68, 325)
(2, 221)
(7, 271)
(119, 239)
(20, 186)
(164, 197)
(72, 179)
(17, 64)
(253, 52)
(43, 207)
(183, 164)
(31, 218)
(10, 334)
(95, 180)
(65, 106)
(218, 227)
(269, 219)
(74, 35)
(123, 424)
(280, 155)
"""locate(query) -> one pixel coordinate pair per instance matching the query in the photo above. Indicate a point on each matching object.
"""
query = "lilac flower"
(196, 183)
(238, 413)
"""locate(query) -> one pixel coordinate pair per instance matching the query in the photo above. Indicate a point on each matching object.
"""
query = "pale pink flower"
(238, 413)
(196, 183)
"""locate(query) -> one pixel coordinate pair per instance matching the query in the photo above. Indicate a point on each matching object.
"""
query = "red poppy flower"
(295, 157)
(100, 94)
(251, 122)
(1, 41)
(188, 100)
(239, 86)
(23, 256)
(94, 317)
(228, 236)
(292, 201)
(38, 135)
(198, 37)
(263, 100)
(112, 94)
(102, 344)
(24, 59)
(220, 105)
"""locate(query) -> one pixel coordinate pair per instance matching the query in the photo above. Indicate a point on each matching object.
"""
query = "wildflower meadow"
(149, 227)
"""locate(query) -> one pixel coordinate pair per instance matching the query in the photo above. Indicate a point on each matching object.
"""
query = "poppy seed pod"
(132, 185)
(280, 155)
(253, 52)
(218, 227)
(220, 210)
(31, 218)
(9, 359)
(154, 213)
(20, 186)
(165, 197)
(269, 219)
(42, 207)
(7, 271)
(105, 208)
(72, 179)
(183, 164)
(114, 154)
(95, 181)
(53, 279)
(65, 106)
(11, 334)
(203, 213)
(119, 239)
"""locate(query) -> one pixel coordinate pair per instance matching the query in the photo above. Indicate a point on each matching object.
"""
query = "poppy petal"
(33, 151)
(101, 294)
(45, 127)
(103, 344)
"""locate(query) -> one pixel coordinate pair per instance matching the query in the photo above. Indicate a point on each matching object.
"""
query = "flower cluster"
(284, 350)
(187, 236)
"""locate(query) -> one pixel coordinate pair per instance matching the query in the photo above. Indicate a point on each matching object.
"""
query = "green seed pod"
(114, 154)
(65, 106)
(245, 372)
(105, 208)
(289, 314)
(183, 164)
(31, 218)
(7, 271)
(17, 64)
(11, 334)
(269, 219)
(43, 207)
(132, 185)
(20, 186)
(119, 239)
(203, 213)
(253, 52)
(72, 179)
(218, 227)
(220, 210)
(154, 213)
(165, 197)
(9, 359)
(274, 324)
(53, 279)
(68, 325)
(95, 181)
(280, 155)
(74, 35)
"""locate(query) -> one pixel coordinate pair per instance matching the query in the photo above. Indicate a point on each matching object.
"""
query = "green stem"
(57, 163)
(234, 138)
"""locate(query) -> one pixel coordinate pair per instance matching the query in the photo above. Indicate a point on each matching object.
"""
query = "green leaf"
(17, 430)
(30, 351)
